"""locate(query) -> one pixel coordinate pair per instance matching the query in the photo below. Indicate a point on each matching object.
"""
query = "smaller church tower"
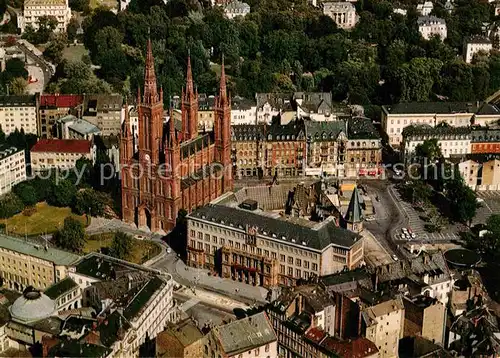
(354, 215)
(222, 129)
(126, 142)
(189, 106)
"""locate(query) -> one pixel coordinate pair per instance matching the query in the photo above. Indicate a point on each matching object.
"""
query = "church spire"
(171, 125)
(150, 89)
(189, 78)
(222, 88)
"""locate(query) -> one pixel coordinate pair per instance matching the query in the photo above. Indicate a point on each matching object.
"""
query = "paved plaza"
(416, 224)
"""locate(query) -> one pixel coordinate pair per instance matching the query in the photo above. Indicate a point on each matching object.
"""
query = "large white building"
(475, 44)
(18, 112)
(33, 10)
(457, 114)
(343, 13)
(12, 168)
(429, 26)
(236, 8)
(451, 140)
(148, 309)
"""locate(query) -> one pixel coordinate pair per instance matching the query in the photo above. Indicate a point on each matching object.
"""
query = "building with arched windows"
(173, 169)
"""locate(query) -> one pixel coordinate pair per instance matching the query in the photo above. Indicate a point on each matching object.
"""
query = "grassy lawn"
(46, 219)
(108, 3)
(74, 53)
(140, 253)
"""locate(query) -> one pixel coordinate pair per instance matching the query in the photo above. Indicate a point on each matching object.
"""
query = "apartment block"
(249, 337)
(33, 10)
(383, 325)
(456, 114)
(105, 112)
(475, 44)
(12, 168)
(55, 106)
(49, 154)
(24, 264)
(18, 112)
(453, 141)
(424, 317)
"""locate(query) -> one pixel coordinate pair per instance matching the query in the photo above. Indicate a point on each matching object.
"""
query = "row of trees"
(440, 182)
(289, 45)
(72, 237)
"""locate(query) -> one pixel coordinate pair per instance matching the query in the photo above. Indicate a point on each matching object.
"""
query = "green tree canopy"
(71, 236)
(121, 245)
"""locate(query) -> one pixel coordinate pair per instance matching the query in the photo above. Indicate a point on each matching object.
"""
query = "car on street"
(169, 250)
(413, 236)
(409, 230)
(395, 258)
(404, 230)
(404, 236)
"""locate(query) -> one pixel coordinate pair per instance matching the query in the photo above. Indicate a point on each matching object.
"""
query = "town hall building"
(174, 168)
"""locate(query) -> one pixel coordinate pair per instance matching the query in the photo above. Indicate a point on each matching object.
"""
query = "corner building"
(181, 169)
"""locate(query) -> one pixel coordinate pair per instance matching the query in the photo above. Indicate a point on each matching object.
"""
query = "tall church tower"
(150, 113)
(222, 131)
(189, 106)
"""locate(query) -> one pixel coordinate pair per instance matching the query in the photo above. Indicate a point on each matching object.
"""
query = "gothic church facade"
(173, 169)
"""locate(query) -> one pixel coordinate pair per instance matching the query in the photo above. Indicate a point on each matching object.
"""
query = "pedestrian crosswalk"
(417, 225)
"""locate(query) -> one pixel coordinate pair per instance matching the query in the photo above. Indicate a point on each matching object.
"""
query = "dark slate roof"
(108, 329)
(438, 131)
(354, 213)
(247, 132)
(17, 101)
(245, 334)
(415, 269)
(431, 107)
(206, 102)
(430, 20)
(60, 288)
(314, 102)
(325, 131)
(488, 108)
(240, 103)
(478, 39)
(279, 101)
(344, 277)
(484, 134)
(74, 348)
(361, 128)
(201, 174)
(136, 305)
(317, 237)
(289, 132)
(192, 146)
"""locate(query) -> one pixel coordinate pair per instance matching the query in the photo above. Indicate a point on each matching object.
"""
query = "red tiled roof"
(315, 335)
(62, 146)
(356, 348)
(61, 101)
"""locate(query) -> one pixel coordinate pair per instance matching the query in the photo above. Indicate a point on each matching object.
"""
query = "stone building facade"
(181, 169)
(263, 250)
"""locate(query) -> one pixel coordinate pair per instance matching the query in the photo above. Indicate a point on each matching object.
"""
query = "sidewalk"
(227, 287)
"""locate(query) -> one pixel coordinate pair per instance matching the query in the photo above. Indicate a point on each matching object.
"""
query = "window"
(282, 258)
(315, 267)
(298, 262)
(290, 260)
(267, 348)
(257, 352)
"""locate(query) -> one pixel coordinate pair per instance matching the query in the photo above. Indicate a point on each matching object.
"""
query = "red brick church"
(173, 168)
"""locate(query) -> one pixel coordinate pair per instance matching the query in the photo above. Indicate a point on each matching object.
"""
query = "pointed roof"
(189, 78)
(354, 212)
(222, 87)
(150, 89)
(126, 123)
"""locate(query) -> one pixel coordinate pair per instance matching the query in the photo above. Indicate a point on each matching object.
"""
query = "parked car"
(395, 258)
(404, 230)
(413, 235)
